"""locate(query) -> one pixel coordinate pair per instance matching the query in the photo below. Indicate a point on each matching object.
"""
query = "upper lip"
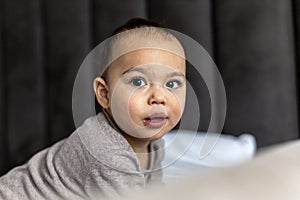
(157, 115)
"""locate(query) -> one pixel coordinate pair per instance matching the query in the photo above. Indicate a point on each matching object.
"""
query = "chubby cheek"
(119, 101)
(176, 105)
(137, 107)
(176, 109)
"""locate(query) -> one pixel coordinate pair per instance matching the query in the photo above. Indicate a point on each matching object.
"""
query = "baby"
(142, 94)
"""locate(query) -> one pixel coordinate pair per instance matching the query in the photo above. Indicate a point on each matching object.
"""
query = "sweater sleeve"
(53, 173)
(94, 161)
(104, 182)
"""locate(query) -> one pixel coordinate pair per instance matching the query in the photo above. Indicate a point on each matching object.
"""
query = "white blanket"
(183, 153)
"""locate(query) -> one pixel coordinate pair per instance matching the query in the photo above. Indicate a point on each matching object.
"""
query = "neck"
(138, 145)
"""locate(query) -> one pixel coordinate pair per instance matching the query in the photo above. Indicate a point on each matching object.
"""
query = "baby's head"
(143, 87)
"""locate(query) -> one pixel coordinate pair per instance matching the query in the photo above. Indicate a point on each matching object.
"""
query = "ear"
(101, 91)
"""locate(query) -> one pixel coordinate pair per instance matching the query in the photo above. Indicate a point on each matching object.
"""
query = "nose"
(157, 95)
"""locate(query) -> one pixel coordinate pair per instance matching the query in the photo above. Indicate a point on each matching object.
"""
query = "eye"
(138, 81)
(173, 84)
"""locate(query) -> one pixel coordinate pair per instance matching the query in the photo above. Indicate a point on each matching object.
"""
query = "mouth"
(156, 120)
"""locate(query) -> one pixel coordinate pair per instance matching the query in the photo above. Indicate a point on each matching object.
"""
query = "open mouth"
(156, 120)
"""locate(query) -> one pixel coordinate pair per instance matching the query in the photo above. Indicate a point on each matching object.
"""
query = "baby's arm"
(46, 175)
(68, 170)
(106, 183)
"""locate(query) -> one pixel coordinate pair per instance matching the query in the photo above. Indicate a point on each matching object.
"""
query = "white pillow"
(189, 151)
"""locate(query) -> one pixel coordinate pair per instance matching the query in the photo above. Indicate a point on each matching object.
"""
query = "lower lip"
(155, 124)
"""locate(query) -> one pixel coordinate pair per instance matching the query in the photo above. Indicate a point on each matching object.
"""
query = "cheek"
(176, 106)
(175, 112)
(136, 106)
(119, 102)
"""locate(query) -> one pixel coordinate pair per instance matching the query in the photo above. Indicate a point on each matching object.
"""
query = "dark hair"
(137, 23)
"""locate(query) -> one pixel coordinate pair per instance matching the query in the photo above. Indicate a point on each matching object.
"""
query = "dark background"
(43, 42)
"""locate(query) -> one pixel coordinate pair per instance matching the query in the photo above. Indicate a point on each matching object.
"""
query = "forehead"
(142, 47)
(147, 57)
(142, 39)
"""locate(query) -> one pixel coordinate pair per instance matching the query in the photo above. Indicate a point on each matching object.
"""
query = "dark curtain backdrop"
(43, 42)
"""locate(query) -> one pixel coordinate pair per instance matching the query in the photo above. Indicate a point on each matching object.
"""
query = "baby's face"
(146, 92)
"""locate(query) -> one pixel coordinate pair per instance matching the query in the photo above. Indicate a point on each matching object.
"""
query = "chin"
(156, 136)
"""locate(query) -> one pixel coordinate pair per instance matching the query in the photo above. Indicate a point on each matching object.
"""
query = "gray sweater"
(95, 161)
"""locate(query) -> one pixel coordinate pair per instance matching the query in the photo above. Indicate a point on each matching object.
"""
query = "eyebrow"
(144, 71)
(135, 70)
(175, 74)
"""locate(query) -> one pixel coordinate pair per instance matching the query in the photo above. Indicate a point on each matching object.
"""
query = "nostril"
(157, 100)
(157, 96)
